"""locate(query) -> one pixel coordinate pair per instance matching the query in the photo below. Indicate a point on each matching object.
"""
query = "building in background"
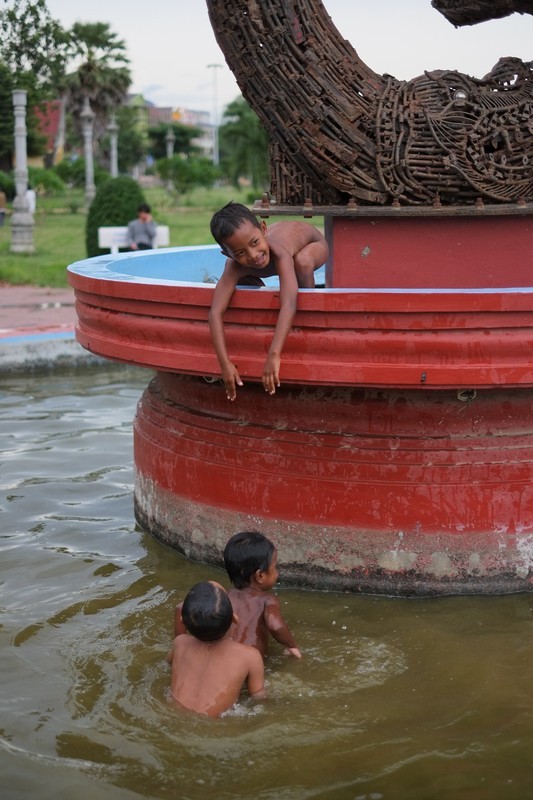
(52, 122)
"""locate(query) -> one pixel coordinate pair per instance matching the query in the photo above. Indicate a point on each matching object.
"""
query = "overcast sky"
(170, 43)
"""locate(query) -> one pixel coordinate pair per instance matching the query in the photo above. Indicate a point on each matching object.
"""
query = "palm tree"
(243, 144)
(102, 75)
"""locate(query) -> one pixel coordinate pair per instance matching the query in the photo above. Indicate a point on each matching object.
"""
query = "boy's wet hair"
(225, 222)
(244, 554)
(207, 612)
(143, 208)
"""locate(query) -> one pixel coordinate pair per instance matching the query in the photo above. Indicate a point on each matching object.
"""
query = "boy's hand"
(293, 651)
(230, 376)
(271, 374)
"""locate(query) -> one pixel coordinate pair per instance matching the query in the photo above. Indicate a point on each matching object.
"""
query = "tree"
(33, 51)
(185, 173)
(184, 136)
(102, 75)
(33, 45)
(243, 145)
(6, 118)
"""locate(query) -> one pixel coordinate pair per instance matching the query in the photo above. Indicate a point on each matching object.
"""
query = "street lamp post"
(170, 139)
(113, 136)
(22, 219)
(87, 119)
(216, 155)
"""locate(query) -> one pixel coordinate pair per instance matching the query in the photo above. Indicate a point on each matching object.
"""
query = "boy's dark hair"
(144, 208)
(244, 554)
(225, 222)
(207, 612)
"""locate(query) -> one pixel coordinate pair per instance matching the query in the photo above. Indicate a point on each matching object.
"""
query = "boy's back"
(292, 236)
(251, 563)
(259, 616)
(207, 677)
(208, 670)
(251, 609)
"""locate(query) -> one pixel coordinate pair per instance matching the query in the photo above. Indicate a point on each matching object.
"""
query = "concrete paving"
(37, 329)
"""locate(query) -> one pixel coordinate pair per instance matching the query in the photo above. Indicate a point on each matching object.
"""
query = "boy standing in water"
(251, 563)
(208, 669)
(292, 250)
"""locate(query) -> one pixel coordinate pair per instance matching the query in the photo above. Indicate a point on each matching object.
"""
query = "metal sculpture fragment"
(470, 12)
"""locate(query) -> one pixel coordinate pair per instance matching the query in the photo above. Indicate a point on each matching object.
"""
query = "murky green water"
(393, 699)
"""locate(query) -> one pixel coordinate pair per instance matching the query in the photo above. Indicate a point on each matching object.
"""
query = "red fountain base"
(397, 456)
(399, 492)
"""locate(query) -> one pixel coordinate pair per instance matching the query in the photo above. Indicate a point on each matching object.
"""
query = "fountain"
(397, 455)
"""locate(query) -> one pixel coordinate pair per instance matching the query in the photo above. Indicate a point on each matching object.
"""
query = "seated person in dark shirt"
(141, 231)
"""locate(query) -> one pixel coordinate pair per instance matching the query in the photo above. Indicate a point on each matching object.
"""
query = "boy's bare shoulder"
(271, 600)
(292, 235)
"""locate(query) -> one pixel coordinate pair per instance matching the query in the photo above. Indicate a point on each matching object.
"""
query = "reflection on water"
(393, 698)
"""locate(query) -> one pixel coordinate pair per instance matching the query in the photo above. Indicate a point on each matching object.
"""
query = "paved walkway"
(37, 329)
(27, 311)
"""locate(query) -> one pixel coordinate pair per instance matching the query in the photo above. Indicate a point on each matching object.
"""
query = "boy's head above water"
(246, 554)
(207, 612)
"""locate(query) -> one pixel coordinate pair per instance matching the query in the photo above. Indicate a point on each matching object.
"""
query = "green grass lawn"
(59, 234)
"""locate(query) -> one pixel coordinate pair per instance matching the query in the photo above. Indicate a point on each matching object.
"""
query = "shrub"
(186, 173)
(7, 184)
(115, 203)
(45, 181)
(72, 171)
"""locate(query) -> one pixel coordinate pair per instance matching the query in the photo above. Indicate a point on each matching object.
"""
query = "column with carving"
(87, 119)
(22, 219)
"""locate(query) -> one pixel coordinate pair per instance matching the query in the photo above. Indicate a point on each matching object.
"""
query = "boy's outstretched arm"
(221, 298)
(279, 628)
(288, 303)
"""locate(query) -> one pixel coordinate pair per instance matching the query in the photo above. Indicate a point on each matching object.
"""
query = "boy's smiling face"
(248, 246)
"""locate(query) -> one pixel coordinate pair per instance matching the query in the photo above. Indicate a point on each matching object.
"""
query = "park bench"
(114, 238)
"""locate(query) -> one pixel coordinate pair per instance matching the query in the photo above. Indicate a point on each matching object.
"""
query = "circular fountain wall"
(396, 457)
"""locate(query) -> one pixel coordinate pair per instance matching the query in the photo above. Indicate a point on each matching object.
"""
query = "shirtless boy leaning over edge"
(290, 249)
(209, 669)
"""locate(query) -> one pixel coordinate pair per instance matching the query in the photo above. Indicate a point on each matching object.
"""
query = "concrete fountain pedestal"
(397, 456)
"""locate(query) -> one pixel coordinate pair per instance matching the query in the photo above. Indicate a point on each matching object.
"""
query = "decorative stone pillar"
(113, 135)
(170, 139)
(87, 119)
(22, 219)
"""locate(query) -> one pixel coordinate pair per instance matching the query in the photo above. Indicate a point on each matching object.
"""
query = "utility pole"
(216, 156)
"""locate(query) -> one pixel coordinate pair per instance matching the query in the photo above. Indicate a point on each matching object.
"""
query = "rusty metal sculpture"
(343, 134)
(470, 12)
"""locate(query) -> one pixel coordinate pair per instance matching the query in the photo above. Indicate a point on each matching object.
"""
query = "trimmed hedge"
(115, 203)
